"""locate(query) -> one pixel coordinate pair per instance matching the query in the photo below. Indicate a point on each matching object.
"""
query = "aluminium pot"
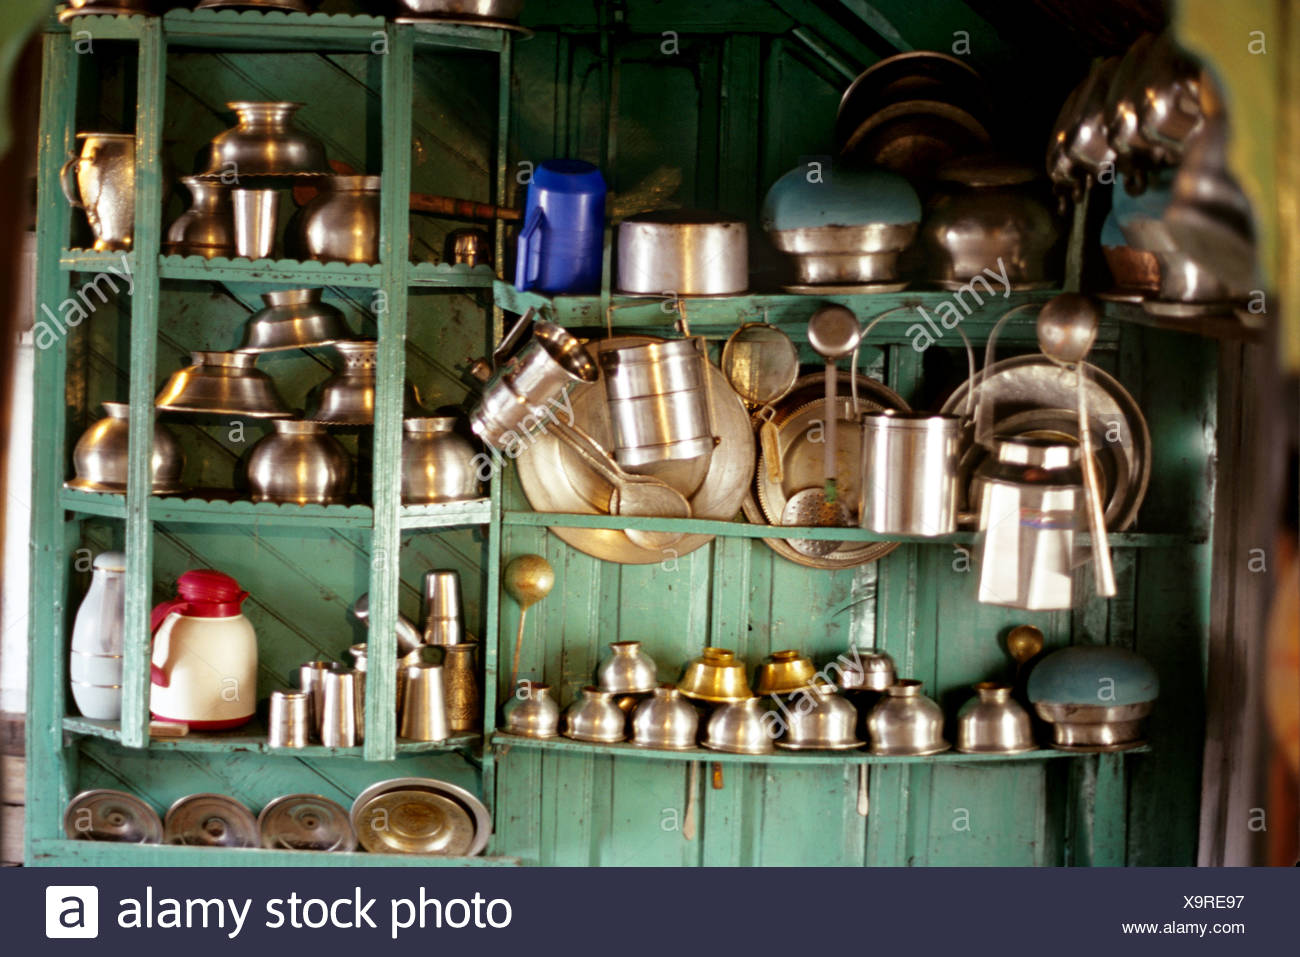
(682, 253)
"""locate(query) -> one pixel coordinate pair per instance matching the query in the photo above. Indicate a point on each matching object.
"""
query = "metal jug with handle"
(204, 663)
(101, 181)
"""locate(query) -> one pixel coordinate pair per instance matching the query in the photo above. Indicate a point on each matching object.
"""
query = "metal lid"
(412, 821)
(306, 822)
(210, 820)
(108, 815)
(761, 363)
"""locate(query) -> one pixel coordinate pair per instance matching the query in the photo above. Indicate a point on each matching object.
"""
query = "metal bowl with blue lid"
(1094, 697)
(841, 225)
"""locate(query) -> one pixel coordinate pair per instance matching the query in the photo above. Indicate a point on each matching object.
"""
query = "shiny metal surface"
(348, 396)
(222, 382)
(595, 716)
(557, 479)
(207, 228)
(658, 403)
(424, 704)
(1088, 143)
(306, 822)
(1170, 114)
(1031, 506)
(99, 458)
(523, 393)
(507, 10)
(1133, 269)
(983, 219)
(682, 252)
(413, 821)
(210, 820)
(107, 815)
(264, 142)
(101, 181)
(1182, 279)
(871, 670)
(846, 254)
(666, 721)
(993, 722)
(1094, 728)
(628, 670)
(408, 636)
(527, 579)
(760, 363)
(783, 672)
(293, 319)
(342, 223)
(437, 464)
(256, 216)
(468, 247)
(288, 6)
(461, 687)
(1134, 153)
(343, 714)
(1031, 396)
(90, 8)
(740, 728)
(909, 473)
(531, 711)
(444, 608)
(818, 719)
(715, 676)
(478, 812)
(300, 463)
(311, 680)
(289, 719)
(906, 722)
(915, 138)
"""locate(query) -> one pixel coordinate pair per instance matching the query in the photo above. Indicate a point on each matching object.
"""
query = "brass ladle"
(1024, 642)
(527, 579)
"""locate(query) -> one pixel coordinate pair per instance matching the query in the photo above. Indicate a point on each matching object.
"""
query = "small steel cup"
(443, 610)
(424, 706)
(343, 709)
(255, 221)
(289, 720)
(311, 679)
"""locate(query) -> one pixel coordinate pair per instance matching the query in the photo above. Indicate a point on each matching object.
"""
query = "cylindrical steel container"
(682, 253)
(658, 403)
(909, 473)
(289, 720)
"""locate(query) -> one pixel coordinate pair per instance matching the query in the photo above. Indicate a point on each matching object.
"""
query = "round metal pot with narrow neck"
(301, 464)
(265, 142)
(207, 228)
(657, 403)
(684, 253)
(99, 457)
(909, 473)
(906, 722)
(739, 728)
(993, 722)
(342, 223)
(595, 717)
(666, 721)
(437, 464)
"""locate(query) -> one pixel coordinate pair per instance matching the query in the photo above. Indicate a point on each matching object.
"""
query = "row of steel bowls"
(398, 816)
(796, 708)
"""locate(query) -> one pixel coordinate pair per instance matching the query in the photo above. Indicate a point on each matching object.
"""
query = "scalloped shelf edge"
(274, 16)
(240, 262)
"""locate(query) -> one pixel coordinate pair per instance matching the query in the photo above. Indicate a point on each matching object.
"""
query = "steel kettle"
(1031, 497)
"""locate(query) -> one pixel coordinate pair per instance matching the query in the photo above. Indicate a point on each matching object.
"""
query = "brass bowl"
(783, 672)
(715, 676)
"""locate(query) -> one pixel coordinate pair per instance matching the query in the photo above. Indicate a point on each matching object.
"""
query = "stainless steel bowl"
(348, 396)
(629, 670)
(824, 721)
(596, 717)
(501, 10)
(906, 722)
(870, 671)
(531, 712)
(1091, 727)
(99, 458)
(293, 319)
(300, 463)
(993, 722)
(225, 383)
(666, 721)
(740, 727)
(264, 142)
(846, 254)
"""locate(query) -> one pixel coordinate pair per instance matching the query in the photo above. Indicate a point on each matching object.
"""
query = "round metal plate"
(413, 822)
(210, 820)
(1032, 383)
(760, 362)
(524, 32)
(306, 822)
(1185, 310)
(556, 479)
(1122, 295)
(852, 289)
(476, 809)
(108, 815)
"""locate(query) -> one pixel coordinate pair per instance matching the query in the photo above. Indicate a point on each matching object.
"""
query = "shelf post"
(394, 255)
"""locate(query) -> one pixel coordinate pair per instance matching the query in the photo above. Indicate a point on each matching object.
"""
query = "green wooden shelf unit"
(557, 801)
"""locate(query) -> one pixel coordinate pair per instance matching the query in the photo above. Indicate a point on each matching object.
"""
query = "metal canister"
(658, 402)
(909, 473)
(1030, 495)
(289, 720)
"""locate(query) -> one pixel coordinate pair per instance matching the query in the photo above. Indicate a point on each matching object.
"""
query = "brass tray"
(556, 479)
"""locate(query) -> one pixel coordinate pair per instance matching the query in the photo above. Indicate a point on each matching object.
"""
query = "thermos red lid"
(208, 585)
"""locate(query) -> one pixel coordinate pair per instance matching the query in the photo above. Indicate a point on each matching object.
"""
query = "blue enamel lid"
(811, 195)
(1151, 202)
(1110, 232)
(1093, 675)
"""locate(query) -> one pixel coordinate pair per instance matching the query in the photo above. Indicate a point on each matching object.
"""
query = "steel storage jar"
(658, 402)
(909, 473)
(684, 253)
(437, 464)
